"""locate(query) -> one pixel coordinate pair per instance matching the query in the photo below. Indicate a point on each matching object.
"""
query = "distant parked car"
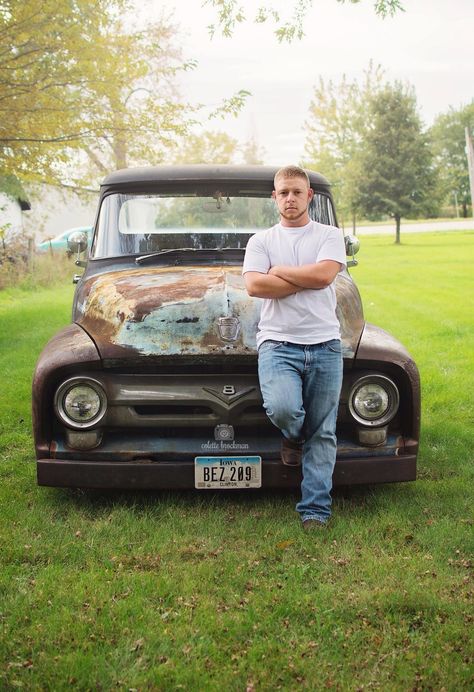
(59, 243)
(155, 383)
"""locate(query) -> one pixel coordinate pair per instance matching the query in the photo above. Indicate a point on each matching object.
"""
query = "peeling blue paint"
(175, 311)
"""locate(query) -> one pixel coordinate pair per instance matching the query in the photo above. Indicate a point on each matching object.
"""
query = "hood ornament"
(229, 328)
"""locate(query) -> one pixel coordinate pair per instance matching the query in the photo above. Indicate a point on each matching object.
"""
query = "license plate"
(225, 473)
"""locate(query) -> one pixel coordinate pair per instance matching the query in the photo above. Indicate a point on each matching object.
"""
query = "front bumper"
(179, 475)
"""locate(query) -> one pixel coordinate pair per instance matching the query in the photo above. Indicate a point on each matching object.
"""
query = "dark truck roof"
(257, 178)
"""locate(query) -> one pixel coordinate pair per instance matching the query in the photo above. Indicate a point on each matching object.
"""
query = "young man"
(292, 266)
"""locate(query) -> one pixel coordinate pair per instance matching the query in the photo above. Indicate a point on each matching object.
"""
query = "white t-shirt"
(309, 316)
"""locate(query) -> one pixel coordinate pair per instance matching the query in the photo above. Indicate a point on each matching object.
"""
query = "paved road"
(454, 225)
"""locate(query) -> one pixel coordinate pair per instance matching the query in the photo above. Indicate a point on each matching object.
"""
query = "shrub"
(22, 267)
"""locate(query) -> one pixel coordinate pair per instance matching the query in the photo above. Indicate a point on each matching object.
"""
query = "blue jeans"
(300, 386)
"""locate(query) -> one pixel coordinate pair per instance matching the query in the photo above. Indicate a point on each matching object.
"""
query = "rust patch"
(349, 312)
(165, 309)
(175, 310)
(132, 294)
(145, 292)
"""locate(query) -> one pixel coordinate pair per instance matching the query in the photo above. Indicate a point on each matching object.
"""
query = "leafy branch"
(230, 14)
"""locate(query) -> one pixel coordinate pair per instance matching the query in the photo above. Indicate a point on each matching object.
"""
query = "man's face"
(292, 196)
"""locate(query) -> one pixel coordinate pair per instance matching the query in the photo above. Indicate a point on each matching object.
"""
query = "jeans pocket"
(270, 345)
(334, 346)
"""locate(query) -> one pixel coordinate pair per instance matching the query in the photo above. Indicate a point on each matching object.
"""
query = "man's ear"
(274, 194)
(310, 194)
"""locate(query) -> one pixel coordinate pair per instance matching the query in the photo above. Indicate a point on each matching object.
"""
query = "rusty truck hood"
(170, 311)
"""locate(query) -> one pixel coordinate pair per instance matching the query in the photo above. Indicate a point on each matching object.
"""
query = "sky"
(430, 45)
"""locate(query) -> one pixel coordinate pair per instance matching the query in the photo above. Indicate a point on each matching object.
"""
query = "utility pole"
(470, 164)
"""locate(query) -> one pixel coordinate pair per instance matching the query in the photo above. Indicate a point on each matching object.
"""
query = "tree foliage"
(213, 146)
(207, 147)
(79, 85)
(12, 187)
(337, 126)
(449, 148)
(398, 176)
(48, 60)
(252, 153)
(230, 13)
(133, 109)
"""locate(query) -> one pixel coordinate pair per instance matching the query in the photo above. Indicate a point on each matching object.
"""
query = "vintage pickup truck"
(154, 384)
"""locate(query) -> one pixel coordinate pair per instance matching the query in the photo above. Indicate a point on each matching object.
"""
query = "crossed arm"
(282, 280)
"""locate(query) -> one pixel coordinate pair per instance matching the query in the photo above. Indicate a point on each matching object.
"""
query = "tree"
(338, 122)
(252, 153)
(49, 57)
(449, 147)
(230, 13)
(207, 147)
(217, 147)
(398, 175)
(75, 78)
(133, 109)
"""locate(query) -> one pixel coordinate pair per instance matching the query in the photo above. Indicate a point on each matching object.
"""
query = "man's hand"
(269, 286)
(317, 275)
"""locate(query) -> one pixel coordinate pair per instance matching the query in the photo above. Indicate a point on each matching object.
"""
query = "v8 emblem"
(228, 393)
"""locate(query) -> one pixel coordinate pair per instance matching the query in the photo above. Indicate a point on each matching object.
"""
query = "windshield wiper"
(145, 258)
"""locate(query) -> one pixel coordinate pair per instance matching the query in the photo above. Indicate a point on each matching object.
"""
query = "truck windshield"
(131, 224)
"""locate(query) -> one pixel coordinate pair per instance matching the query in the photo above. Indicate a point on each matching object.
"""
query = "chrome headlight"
(80, 402)
(373, 400)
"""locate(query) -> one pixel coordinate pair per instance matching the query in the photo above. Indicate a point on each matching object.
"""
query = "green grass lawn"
(169, 591)
(391, 221)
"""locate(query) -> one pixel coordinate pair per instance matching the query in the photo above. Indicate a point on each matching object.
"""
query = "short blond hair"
(291, 172)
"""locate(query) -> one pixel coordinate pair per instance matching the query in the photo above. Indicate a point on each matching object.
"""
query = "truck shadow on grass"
(188, 504)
